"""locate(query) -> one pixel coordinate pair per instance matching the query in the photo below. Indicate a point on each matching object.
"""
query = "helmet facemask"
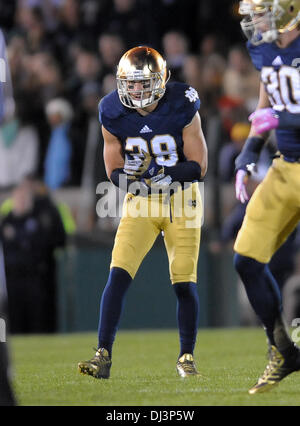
(260, 22)
(153, 89)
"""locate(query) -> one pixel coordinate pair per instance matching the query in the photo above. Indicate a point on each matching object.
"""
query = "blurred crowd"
(63, 56)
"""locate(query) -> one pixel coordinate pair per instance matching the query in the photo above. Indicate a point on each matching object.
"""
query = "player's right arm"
(247, 159)
(114, 161)
(112, 152)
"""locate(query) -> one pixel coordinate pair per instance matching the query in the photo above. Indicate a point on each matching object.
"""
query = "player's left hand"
(144, 167)
(160, 181)
(264, 119)
(240, 186)
(149, 167)
(132, 167)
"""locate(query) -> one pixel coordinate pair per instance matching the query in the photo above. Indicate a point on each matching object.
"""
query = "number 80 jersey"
(280, 74)
(159, 132)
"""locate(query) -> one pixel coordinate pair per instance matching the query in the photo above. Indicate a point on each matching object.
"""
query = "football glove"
(153, 174)
(143, 167)
(264, 119)
(149, 167)
(131, 167)
(160, 181)
(240, 186)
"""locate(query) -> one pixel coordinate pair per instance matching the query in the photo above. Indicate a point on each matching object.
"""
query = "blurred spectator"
(58, 157)
(68, 13)
(212, 70)
(79, 133)
(191, 72)
(7, 14)
(213, 44)
(87, 68)
(111, 48)
(71, 31)
(19, 144)
(30, 233)
(48, 10)
(46, 75)
(177, 15)
(42, 200)
(92, 13)
(230, 150)
(88, 160)
(30, 23)
(241, 80)
(108, 84)
(128, 19)
(16, 52)
(176, 50)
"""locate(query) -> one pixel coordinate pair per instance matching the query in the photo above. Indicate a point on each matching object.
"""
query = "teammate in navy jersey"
(273, 32)
(152, 140)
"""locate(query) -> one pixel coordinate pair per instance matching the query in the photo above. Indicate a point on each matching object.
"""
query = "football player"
(152, 138)
(273, 32)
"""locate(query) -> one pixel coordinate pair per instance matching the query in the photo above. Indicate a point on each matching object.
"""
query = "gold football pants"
(272, 213)
(179, 219)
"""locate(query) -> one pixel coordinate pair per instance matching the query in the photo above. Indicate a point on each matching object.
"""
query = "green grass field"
(143, 371)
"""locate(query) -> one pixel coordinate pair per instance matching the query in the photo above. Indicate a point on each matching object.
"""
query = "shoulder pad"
(182, 95)
(110, 107)
(256, 55)
(184, 100)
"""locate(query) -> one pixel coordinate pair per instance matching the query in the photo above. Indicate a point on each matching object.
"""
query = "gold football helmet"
(265, 19)
(141, 77)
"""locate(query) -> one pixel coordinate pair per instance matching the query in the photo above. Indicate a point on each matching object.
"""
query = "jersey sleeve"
(109, 111)
(192, 103)
(104, 120)
(185, 100)
(256, 55)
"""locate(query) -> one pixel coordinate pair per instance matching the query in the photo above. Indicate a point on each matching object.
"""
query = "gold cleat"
(185, 366)
(98, 366)
(276, 370)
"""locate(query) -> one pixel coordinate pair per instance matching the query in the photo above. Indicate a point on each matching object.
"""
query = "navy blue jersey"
(280, 74)
(159, 132)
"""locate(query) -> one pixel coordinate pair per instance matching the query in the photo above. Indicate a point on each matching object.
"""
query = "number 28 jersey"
(158, 133)
(280, 74)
